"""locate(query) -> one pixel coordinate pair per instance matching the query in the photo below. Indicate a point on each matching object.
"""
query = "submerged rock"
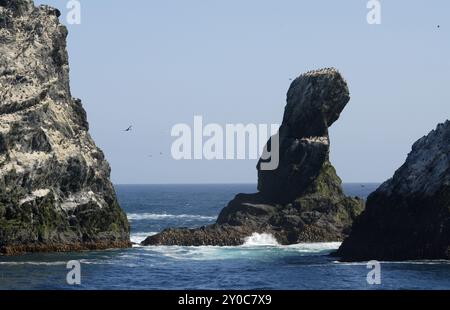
(408, 217)
(55, 192)
(300, 201)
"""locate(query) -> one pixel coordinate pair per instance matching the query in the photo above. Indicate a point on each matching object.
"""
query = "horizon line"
(223, 183)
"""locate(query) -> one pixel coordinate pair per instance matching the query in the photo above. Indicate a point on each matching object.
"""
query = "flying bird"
(129, 128)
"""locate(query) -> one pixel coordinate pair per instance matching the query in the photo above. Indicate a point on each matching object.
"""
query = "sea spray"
(261, 240)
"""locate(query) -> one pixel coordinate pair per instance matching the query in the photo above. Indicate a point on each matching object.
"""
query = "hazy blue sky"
(157, 63)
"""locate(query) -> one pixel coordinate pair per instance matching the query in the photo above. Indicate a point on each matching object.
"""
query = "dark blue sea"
(259, 264)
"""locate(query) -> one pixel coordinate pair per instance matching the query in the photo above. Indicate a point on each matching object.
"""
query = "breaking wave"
(261, 240)
(141, 236)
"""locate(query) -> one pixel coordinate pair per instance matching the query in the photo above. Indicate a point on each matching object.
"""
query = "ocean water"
(259, 264)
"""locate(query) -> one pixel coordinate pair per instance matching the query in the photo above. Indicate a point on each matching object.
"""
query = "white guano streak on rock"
(35, 194)
(320, 140)
(81, 198)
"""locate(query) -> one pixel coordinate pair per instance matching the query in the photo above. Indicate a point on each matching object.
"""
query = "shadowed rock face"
(408, 217)
(300, 201)
(314, 102)
(55, 192)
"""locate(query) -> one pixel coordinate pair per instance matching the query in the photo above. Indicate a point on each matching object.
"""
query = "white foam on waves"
(33, 263)
(160, 216)
(256, 246)
(268, 240)
(141, 236)
(261, 240)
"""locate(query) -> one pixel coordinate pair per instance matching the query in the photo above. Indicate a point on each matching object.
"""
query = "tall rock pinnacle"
(55, 192)
(314, 102)
(302, 199)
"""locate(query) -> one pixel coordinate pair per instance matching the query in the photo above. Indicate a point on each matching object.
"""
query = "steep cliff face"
(55, 192)
(408, 217)
(302, 200)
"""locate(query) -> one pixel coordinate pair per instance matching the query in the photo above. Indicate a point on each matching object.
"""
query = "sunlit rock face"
(55, 191)
(408, 217)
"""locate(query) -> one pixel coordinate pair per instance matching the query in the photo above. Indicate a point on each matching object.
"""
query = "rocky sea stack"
(408, 217)
(55, 192)
(300, 201)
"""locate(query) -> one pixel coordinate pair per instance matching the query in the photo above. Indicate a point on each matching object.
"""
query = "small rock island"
(300, 201)
(408, 217)
(55, 188)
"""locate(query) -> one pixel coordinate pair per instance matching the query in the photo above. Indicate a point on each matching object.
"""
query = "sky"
(155, 64)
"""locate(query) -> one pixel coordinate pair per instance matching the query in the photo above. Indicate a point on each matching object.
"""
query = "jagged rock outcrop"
(300, 201)
(55, 192)
(408, 217)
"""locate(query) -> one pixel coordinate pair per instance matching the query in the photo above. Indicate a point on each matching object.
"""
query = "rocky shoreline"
(58, 248)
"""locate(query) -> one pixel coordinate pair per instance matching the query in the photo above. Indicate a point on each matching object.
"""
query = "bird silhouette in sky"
(129, 128)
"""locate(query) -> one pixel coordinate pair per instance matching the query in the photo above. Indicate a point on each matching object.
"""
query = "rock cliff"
(55, 192)
(408, 217)
(300, 201)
